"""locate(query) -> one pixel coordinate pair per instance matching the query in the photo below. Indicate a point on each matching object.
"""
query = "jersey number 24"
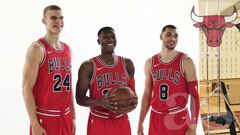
(61, 82)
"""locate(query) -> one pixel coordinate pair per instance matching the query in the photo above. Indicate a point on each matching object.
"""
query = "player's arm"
(34, 57)
(147, 96)
(192, 84)
(72, 104)
(131, 70)
(85, 74)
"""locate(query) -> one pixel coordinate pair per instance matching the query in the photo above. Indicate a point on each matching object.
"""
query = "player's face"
(169, 38)
(54, 21)
(108, 41)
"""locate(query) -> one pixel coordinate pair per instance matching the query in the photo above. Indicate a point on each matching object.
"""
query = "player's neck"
(108, 58)
(54, 41)
(168, 55)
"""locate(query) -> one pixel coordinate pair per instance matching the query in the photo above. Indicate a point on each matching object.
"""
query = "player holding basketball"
(170, 79)
(47, 88)
(99, 75)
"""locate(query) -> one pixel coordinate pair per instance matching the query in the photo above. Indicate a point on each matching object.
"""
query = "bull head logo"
(213, 26)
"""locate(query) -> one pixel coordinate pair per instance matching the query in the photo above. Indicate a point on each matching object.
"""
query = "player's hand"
(125, 109)
(140, 129)
(136, 100)
(106, 103)
(191, 131)
(73, 126)
(37, 129)
(126, 106)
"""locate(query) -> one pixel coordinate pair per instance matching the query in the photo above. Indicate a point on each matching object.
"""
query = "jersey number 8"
(163, 93)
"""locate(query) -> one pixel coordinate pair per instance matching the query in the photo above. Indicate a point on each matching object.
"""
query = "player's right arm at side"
(34, 57)
(147, 96)
(85, 74)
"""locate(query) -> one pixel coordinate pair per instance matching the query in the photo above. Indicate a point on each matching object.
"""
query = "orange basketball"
(124, 97)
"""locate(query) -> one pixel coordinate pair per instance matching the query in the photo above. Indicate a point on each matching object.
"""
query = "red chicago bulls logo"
(214, 26)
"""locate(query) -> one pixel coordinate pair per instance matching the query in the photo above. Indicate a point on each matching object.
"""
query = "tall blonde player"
(47, 84)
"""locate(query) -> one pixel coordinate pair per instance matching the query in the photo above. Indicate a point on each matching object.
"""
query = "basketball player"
(47, 84)
(99, 75)
(170, 79)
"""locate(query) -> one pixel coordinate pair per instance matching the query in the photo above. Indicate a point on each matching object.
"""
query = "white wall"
(137, 24)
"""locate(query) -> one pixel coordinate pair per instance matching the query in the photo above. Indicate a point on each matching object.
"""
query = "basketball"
(124, 97)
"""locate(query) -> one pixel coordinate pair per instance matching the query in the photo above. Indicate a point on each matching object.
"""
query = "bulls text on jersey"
(111, 78)
(58, 64)
(166, 74)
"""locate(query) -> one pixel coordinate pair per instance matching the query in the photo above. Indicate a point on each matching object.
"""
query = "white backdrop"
(137, 23)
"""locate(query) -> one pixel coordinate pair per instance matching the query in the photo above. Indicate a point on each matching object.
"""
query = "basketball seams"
(117, 90)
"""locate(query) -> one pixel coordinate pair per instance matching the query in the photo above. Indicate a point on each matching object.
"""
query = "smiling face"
(53, 19)
(107, 40)
(169, 38)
